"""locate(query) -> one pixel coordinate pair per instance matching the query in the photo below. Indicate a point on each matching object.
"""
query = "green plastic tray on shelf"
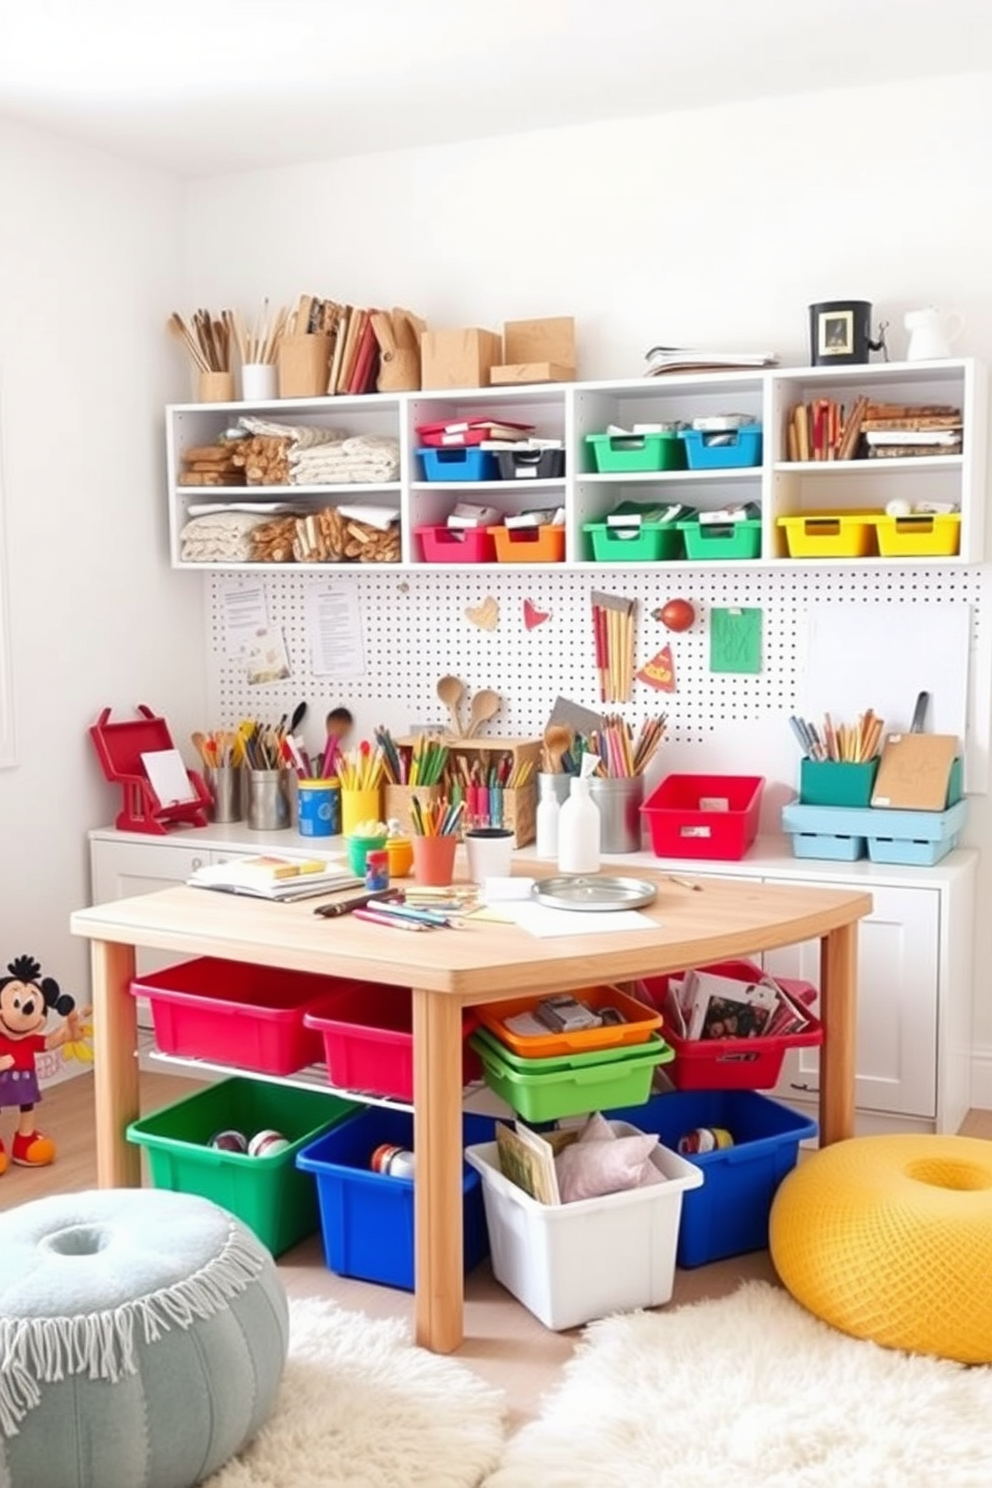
(544, 1095)
(647, 543)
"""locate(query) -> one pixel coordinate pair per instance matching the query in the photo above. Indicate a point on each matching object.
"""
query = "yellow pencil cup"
(358, 806)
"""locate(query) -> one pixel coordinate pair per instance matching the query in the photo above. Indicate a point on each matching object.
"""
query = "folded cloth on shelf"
(301, 436)
(219, 537)
(362, 458)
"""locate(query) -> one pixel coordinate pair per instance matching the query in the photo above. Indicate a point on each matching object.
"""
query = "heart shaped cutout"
(533, 616)
(485, 615)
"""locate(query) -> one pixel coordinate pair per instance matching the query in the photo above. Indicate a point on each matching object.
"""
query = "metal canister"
(704, 1139)
(396, 1162)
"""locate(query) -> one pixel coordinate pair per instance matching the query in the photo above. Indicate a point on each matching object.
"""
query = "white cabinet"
(569, 411)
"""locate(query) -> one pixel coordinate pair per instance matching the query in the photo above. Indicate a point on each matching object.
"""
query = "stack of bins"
(251, 1019)
(717, 1083)
(366, 1209)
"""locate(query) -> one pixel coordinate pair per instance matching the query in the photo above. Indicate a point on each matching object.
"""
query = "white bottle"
(579, 829)
(548, 812)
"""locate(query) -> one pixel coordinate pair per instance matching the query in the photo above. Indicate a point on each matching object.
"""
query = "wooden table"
(449, 970)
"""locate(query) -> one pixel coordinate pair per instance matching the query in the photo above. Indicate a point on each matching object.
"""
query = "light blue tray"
(920, 837)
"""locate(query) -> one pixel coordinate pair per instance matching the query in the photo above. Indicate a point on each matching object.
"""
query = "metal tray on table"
(593, 891)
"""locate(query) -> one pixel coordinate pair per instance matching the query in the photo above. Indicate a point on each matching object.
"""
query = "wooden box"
(458, 358)
(519, 804)
(398, 798)
(303, 364)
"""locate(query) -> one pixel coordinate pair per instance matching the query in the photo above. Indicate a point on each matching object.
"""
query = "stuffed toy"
(26, 999)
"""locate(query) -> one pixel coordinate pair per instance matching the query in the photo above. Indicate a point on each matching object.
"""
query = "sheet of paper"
(735, 640)
(542, 921)
(266, 658)
(246, 616)
(167, 776)
(334, 623)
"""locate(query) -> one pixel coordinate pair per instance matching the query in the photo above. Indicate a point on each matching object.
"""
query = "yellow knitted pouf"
(890, 1238)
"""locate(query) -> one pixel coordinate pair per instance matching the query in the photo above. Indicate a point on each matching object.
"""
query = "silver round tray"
(593, 891)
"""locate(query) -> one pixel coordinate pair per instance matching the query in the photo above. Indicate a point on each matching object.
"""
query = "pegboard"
(415, 630)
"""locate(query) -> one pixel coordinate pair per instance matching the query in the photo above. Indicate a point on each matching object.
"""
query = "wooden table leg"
(115, 1064)
(839, 1012)
(437, 1142)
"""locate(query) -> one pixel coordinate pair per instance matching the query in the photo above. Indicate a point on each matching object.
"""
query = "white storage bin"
(570, 1263)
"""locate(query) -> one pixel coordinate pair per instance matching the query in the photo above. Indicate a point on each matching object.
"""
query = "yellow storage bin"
(921, 535)
(831, 534)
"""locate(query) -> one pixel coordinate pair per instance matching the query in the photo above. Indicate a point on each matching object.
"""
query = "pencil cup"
(359, 849)
(259, 382)
(490, 853)
(226, 786)
(268, 800)
(359, 806)
(318, 808)
(215, 387)
(619, 803)
(434, 858)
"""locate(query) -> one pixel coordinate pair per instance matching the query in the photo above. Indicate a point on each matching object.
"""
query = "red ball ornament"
(677, 614)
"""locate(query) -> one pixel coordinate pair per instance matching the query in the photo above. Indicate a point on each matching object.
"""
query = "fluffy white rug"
(360, 1407)
(751, 1391)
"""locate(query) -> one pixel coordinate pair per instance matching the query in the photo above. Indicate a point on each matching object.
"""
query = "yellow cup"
(400, 850)
(358, 806)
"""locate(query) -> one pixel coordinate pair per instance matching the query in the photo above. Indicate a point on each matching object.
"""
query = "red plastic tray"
(685, 822)
(368, 1041)
(731, 1064)
(457, 544)
(251, 1017)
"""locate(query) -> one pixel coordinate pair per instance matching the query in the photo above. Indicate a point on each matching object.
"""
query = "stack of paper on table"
(270, 876)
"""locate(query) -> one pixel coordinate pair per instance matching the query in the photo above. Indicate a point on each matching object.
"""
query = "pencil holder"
(268, 800)
(318, 808)
(226, 786)
(619, 800)
(434, 858)
(359, 806)
(836, 782)
(215, 387)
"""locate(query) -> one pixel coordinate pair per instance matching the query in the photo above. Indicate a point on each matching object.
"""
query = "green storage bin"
(618, 452)
(571, 1084)
(648, 543)
(269, 1194)
(706, 540)
(836, 782)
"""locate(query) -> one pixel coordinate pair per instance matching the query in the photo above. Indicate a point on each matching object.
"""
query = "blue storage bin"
(729, 1214)
(837, 848)
(724, 448)
(367, 1217)
(892, 835)
(463, 464)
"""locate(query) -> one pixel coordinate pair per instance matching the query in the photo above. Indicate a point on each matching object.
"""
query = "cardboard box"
(537, 351)
(914, 772)
(459, 358)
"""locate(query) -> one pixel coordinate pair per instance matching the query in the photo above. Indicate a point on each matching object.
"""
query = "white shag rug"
(751, 1391)
(359, 1406)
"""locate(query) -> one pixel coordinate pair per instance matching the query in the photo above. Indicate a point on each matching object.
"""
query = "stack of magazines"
(662, 359)
(269, 876)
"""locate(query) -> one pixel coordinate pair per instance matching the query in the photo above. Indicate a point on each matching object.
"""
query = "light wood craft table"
(449, 970)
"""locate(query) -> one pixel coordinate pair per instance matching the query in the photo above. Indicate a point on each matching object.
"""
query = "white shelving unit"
(570, 411)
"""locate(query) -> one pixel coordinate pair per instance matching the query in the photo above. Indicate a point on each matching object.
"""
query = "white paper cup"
(259, 382)
(490, 853)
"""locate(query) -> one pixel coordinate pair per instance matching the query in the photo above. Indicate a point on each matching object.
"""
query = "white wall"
(713, 228)
(90, 262)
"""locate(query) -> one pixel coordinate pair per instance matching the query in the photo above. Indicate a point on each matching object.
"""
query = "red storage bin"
(443, 544)
(704, 816)
(735, 1063)
(250, 1017)
(368, 1041)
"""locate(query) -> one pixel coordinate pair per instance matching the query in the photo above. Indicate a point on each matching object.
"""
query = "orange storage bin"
(529, 544)
(641, 1022)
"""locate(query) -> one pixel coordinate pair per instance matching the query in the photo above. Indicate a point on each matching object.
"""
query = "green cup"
(359, 848)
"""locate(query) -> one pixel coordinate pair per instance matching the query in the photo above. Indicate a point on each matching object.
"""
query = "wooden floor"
(505, 1344)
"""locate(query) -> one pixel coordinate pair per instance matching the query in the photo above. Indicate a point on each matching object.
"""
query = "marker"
(393, 921)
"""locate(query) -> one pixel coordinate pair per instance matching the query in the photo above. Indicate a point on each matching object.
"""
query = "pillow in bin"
(600, 1162)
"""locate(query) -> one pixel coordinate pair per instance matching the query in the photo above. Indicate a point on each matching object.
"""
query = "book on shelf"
(271, 876)
(366, 363)
(345, 313)
(472, 431)
(356, 329)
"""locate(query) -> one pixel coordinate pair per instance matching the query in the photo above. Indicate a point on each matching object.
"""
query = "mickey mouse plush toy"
(26, 999)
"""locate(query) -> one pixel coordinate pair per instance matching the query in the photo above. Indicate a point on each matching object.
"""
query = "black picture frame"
(834, 333)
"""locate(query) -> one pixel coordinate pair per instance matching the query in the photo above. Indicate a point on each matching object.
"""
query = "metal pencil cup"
(619, 801)
(226, 786)
(268, 800)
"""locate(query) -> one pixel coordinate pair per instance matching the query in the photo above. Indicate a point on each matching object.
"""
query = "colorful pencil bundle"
(620, 754)
(435, 818)
(613, 645)
(362, 768)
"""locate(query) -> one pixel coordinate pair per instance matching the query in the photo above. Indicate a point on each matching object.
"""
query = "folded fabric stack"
(219, 537)
(370, 459)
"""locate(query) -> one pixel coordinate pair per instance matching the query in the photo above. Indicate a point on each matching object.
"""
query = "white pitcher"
(931, 334)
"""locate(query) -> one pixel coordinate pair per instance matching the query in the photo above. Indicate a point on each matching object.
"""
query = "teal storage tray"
(624, 1079)
(836, 782)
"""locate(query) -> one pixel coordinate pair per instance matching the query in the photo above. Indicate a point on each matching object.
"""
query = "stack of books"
(269, 876)
(899, 429)
(661, 359)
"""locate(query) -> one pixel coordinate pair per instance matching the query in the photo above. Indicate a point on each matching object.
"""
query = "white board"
(882, 657)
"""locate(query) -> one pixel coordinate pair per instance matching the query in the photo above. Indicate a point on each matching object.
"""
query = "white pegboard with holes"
(416, 626)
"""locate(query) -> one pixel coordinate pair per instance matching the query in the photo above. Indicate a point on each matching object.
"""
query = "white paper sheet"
(539, 920)
(167, 776)
(335, 626)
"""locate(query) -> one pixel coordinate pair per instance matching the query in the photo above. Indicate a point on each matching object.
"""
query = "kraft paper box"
(304, 364)
(459, 358)
(537, 351)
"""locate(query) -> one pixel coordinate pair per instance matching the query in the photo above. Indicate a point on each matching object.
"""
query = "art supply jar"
(318, 808)
(704, 1139)
(377, 870)
(268, 800)
(400, 851)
